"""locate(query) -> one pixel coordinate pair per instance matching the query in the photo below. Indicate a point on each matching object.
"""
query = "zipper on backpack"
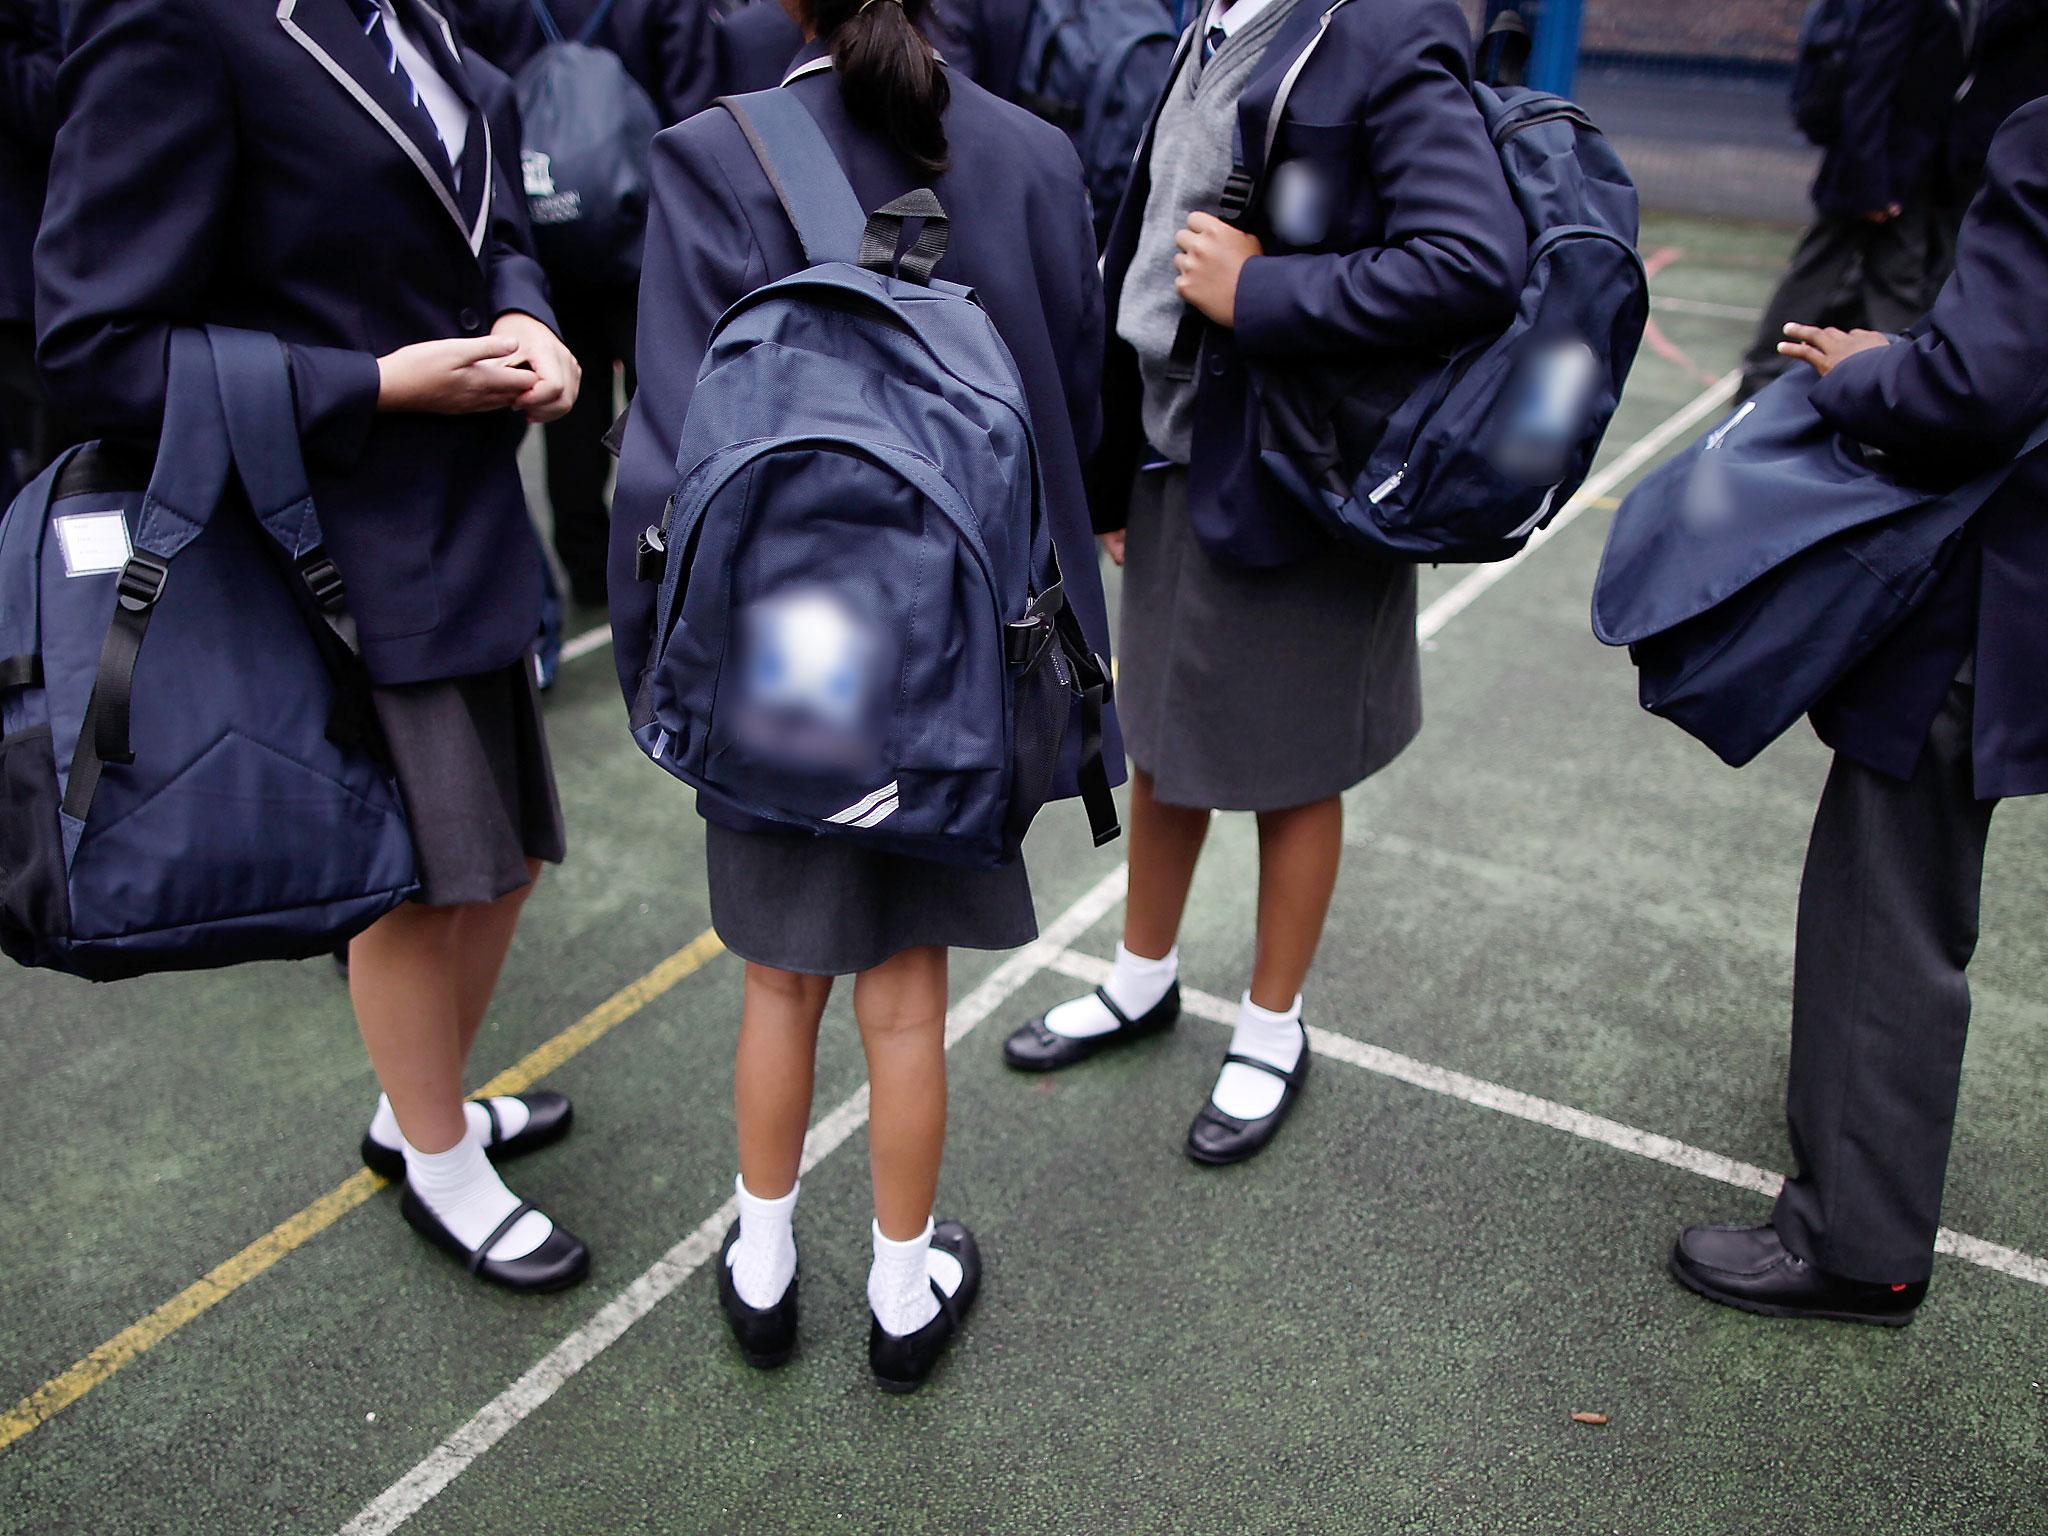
(1388, 486)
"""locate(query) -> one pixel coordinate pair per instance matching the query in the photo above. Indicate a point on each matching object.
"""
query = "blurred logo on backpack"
(544, 204)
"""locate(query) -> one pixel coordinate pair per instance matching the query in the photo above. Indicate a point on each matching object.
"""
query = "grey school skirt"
(825, 908)
(1258, 690)
(472, 762)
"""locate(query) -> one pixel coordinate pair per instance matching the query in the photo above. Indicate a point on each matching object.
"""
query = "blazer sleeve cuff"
(336, 390)
(518, 285)
(1267, 317)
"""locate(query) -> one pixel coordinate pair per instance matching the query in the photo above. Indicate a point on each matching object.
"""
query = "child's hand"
(1212, 254)
(1824, 346)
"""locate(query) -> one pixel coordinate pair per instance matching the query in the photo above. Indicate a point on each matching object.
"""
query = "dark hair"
(889, 77)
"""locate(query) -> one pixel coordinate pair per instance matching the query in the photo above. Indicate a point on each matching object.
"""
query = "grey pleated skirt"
(471, 757)
(1258, 690)
(825, 908)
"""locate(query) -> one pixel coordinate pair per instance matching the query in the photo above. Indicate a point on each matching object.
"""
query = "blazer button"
(471, 321)
(1219, 365)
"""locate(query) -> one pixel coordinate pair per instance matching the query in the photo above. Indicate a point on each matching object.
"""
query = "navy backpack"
(1096, 68)
(1466, 456)
(1820, 72)
(187, 773)
(1748, 575)
(861, 630)
(587, 132)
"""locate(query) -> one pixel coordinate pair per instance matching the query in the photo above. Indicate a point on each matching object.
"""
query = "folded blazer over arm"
(253, 163)
(1423, 250)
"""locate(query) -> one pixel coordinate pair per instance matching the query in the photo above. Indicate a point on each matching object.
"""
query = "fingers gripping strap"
(803, 170)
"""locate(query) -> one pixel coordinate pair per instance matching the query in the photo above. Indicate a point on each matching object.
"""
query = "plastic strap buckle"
(651, 557)
(142, 582)
(323, 580)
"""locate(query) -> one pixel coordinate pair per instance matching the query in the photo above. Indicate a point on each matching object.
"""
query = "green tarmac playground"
(1552, 1012)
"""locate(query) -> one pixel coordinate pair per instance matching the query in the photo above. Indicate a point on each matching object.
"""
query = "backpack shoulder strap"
(803, 170)
(549, 27)
(587, 33)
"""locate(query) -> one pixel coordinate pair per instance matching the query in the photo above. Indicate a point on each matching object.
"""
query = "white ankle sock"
(512, 1114)
(763, 1261)
(1135, 985)
(1246, 1093)
(462, 1188)
(900, 1284)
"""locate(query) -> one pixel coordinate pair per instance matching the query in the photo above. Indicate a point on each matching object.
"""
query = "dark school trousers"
(597, 325)
(1881, 1006)
(24, 416)
(1851, 272)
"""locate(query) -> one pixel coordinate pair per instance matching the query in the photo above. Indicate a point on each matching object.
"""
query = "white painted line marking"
(448, 1460)
(497, 1418)
(1706, 307)
(1561, 1117)
(1646, 448)
(590, 640)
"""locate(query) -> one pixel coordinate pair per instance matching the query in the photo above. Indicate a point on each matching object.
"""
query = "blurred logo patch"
(810, 679)
(1300, 204)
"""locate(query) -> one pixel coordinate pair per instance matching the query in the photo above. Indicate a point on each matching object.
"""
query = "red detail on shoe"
(1898, 1287)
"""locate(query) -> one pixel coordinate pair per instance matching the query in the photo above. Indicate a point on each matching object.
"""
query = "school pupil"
(803, 910)
(368, 227)
(30, 46)
(668, 47)
(1947, 717)
(1264, 670)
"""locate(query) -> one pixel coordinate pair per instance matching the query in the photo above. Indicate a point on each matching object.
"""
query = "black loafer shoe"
(904, 1364)
(1217, 1139)
(1034, 1048)
(1750, 1268)
(765, 1335)
(548, 1117)
(555, 1265)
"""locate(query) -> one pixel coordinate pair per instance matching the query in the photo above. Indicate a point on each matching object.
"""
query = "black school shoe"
(765, 1335)
(1217, 1139)
(1034, 1048)
(558, 1263)
(1750, 1268)
(904, 1364)
(548, 1117)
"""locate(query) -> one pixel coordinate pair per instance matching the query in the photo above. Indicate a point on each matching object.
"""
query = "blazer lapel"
(327, 30)
(1255, 106)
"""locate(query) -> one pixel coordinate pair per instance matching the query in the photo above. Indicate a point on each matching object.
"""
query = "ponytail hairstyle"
(889, 77)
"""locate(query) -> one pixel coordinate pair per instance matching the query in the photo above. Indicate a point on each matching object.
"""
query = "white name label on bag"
(94, 543)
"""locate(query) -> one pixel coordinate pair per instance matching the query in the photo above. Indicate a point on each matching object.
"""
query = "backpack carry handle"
(881, 244)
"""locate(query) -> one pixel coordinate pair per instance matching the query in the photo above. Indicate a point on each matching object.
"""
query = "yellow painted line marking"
(224, 1279)
(1604, 503)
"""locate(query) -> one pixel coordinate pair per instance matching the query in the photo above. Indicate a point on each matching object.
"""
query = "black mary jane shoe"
(1035, 1048)
(558, 1263)
(765, 1335)
(905, 1363)
(1217, 1139)
(1751, 1269)
(548, 1118)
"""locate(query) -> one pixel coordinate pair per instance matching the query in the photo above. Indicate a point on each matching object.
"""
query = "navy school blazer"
(666, 45)
(255, 165)
(30, 46)
(756, 43)
(1424, 250)
(1905, 67)
(984, 40)
(1021, 236)
(1963, 389)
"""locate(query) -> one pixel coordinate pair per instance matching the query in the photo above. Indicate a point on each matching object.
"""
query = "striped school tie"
(370, 16)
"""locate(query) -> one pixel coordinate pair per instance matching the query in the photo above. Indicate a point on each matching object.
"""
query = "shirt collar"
(1238, 13)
